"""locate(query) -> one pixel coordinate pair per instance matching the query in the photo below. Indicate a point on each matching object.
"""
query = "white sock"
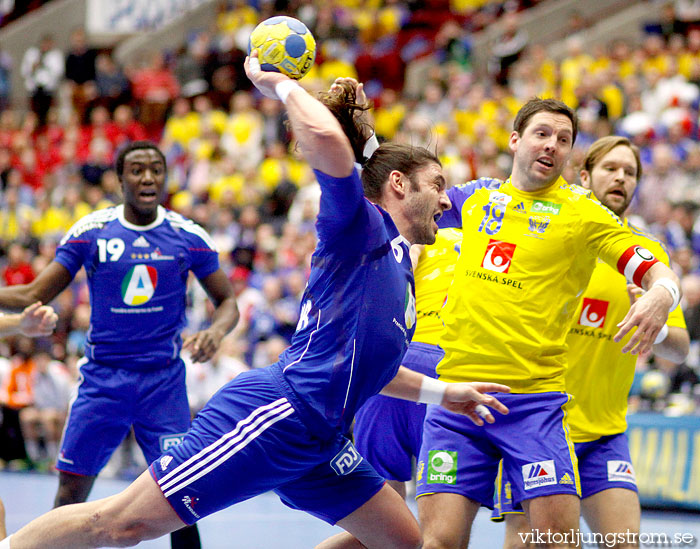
(5, 544)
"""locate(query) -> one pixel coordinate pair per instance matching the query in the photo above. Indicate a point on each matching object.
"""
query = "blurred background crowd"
(233, 167)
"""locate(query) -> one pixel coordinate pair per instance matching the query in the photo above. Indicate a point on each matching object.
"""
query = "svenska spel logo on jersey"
(442, 467)
(539, 473)
(593, 312)
(621, 471)
(139, 284)
(498, 256)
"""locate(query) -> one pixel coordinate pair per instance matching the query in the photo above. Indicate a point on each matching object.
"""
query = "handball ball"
(284, 45)
(654, 385)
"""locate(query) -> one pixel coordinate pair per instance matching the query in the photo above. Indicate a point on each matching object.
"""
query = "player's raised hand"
(203, 345)
(359, 88)
(265, 81)
(471, 400)
(360, 96)
(37, 320)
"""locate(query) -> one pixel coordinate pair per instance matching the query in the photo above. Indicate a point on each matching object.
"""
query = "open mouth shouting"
(148, 196)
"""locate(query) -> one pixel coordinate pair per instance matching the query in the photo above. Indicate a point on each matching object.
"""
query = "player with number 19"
(137, 257)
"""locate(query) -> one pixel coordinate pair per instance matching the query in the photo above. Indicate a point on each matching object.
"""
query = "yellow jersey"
(599, 374)
(526, 259)
(433, 275)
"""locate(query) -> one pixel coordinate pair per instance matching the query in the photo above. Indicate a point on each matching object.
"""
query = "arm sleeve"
(341, 201)
(73, 251)
(608, 238)
(459, 195)
(203, 251)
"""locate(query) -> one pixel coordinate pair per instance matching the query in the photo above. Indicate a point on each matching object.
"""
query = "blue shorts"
(388, 431)
(603, 464)
(109, 401)
(249, 439)
(461, 458)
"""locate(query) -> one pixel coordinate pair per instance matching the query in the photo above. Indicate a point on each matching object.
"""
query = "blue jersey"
(357, 312)
(137, 277)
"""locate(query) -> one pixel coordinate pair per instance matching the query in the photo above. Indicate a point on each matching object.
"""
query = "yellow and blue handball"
(284, 45)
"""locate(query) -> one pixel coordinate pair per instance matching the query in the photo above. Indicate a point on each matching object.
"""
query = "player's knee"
(516, 544)
(436, 542)
(412, 539)
(556, 523)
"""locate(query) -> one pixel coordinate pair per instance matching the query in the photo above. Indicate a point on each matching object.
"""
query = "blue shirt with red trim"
(137, 277)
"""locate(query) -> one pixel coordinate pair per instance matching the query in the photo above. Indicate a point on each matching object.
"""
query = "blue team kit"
(388, 431)
(537, 454)
(133, 374)
(603, 464)
(283, 427)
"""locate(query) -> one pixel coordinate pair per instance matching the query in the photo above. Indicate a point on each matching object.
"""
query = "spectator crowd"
(234, 169)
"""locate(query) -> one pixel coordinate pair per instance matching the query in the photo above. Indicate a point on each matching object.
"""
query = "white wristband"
(663, 334)
(284, 88)
(672, 289)
(431, 391)
(5, 544)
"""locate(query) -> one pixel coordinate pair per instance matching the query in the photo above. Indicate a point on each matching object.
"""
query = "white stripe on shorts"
(245, 431)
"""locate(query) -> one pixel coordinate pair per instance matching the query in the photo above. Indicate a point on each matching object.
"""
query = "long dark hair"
(406, 159)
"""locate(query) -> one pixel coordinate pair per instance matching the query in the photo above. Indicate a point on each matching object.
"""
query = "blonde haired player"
(600, 375)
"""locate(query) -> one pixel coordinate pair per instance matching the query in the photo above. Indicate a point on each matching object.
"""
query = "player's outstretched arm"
(650, 312)
(35, 321)
(48, 284)
(204, 344)
(469, 399)
(320, 136)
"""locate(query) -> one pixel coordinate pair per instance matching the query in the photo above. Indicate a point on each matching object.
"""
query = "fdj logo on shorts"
(168, 441)
(442, 467)
(346, 460)
(139, 284)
